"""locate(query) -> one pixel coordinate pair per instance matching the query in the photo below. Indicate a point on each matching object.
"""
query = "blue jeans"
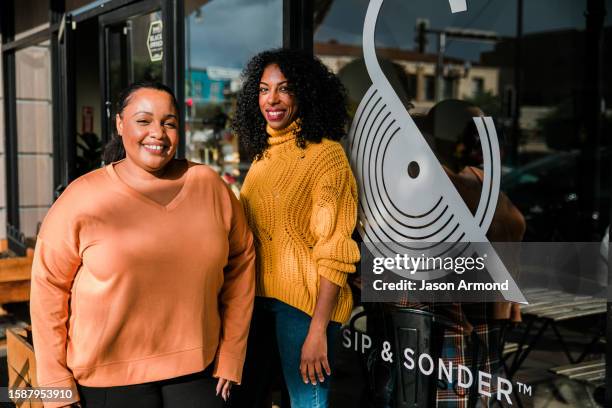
(277, 333)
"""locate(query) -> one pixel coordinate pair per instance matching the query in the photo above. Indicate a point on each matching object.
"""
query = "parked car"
(550, 192)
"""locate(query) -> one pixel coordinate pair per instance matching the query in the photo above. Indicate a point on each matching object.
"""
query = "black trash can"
(419, 331)
(391, 384)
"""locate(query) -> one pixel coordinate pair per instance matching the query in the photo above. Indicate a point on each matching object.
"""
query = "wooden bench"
(15, 279)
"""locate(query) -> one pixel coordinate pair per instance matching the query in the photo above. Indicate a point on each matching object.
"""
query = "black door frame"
(66, 102)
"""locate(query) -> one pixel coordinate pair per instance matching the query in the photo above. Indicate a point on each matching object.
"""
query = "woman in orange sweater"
(143, 274)
(300, 197)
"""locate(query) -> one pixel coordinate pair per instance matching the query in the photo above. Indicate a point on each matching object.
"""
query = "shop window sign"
(155, 41)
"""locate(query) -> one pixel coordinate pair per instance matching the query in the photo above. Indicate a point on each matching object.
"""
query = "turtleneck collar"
(282, 135)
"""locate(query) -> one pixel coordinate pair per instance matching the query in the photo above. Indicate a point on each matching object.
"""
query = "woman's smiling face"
(276, 101)
(148, 126)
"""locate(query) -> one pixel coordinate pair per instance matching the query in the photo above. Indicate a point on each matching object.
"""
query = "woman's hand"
(223, 388)
(314, 357)
(314, 350)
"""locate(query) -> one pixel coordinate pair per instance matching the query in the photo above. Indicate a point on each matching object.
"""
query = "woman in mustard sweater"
(300, 198)
(144, 274)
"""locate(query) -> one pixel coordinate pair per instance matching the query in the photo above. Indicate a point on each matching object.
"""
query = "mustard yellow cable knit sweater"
(302, 207)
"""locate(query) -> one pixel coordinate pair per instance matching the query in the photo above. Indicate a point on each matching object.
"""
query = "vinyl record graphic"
(407, 203)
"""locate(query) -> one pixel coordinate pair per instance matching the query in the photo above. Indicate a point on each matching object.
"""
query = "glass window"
(449, 88)
(221, 36)
(34, 135)
(477, 86)
(412, 85)
(551, 111)
(546, 120)
(430, 88)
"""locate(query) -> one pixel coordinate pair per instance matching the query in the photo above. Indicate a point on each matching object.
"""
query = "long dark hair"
(320, 96)
(114, 150)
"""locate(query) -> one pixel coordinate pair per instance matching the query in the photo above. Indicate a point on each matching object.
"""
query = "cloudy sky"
(397, 20)
(228, 32)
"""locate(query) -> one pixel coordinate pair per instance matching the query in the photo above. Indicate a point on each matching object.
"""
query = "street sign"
(155, 41)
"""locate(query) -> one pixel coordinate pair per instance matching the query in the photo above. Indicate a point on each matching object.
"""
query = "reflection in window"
(413, 81)
(477, 86)
(546, 108)
(430, 88)
(215, 57)
(546, 116)
(146, 57)
(448, 88)
(34, 136)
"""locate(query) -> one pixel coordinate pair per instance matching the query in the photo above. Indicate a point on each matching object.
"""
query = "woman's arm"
(335, 253)
(54, 267)
(314, 351)
(235, 300)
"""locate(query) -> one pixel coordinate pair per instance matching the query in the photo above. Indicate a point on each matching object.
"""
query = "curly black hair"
(320, 96)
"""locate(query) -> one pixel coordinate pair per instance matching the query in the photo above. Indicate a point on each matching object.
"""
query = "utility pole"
(440, 66)
(443, 35)
(421, 35)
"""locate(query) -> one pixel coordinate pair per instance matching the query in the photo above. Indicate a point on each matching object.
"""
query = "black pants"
(190, 391)
(262, 367)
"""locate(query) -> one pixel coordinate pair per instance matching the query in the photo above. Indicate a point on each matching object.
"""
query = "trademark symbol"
(523, 388)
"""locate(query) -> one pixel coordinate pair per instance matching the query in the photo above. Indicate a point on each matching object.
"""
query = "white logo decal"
(407, 209)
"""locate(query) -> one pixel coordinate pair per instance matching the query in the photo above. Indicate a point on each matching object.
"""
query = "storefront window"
(479, 66)
(477, 86)
(544, 98)
(221, 36)
(34, 135)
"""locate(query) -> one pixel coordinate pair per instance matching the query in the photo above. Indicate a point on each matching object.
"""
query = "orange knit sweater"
(302, 207)
(128, 291)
